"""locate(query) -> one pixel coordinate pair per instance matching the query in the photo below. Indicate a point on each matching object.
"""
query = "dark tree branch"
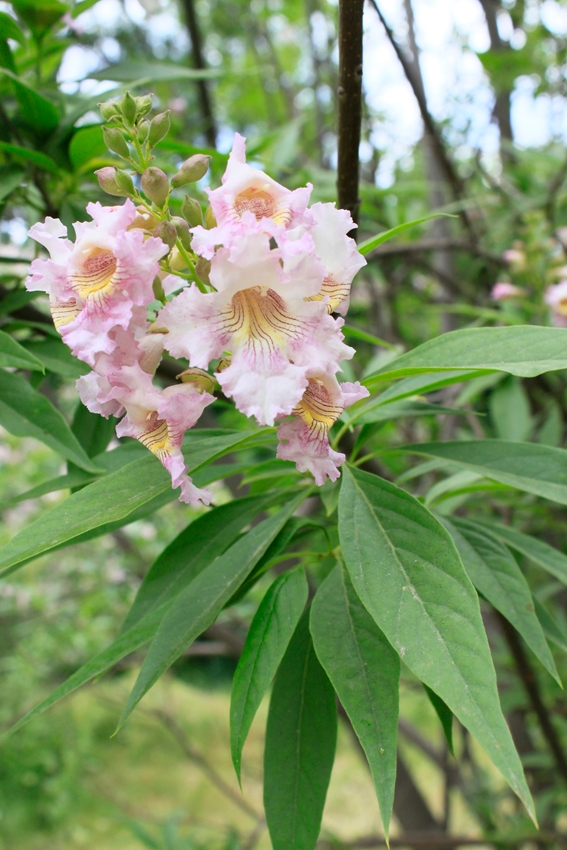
(529, 681)
(431, 128)
(209, 124)
(349, 94)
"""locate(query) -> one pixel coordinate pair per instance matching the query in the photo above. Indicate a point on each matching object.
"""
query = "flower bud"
(125, 183)
(143, 131)
(182, 231)
(167, 233)
(152, 346)
(107, 181)
(200, 379)
(115, 141)
(191, 211)
(192, 170)
(159, 128)
(128, 107)
(155, 185)
(157, 287)
(210, 220)
(108, 110)
(203, 268)
(144, 104)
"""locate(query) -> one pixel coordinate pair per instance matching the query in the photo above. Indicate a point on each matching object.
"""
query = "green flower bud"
(159, 128)
(155, 185)
(124, 182)
(191, 211)
(115, 141)
(210, 220)
(143, 131)
(192, 170)
(182, 231)
(128, 107)
(108, 110)
(167, 233)
(203, 268)
(157, 287)
(107, 181)
(144, 104)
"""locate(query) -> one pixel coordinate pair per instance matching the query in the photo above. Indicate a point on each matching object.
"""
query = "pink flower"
(556, 297)
(502, 291)
(96, 283)
(305, 438)
(246, 189)
(261, 315)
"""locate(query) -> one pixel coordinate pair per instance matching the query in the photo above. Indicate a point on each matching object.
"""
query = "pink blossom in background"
(502, 291)
(556, 297)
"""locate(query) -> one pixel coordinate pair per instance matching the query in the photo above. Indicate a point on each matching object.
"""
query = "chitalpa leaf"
(372, 243)
(408, 574)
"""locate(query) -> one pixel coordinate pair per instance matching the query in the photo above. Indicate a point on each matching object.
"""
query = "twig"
(197, 756)
(529, 681)
(349, 94)
(199, 63)
(443, 157)
(254, 836)
(432, 841)
(389, 249)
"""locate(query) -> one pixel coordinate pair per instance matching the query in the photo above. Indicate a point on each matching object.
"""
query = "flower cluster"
(263, 322)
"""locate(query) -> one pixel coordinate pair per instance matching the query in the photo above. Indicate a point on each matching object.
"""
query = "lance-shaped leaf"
(444, 714)
(408, 574)
(268, 637)
(496, 575)
(301, 737)
(550, 626)
(370, 244)
(192, 550)
(109, 499)
(14, 355)
(57, 358)
(523, 350)
(26, 413)
(532, 467)
(365, 672)
(196, 607)
(541, 553)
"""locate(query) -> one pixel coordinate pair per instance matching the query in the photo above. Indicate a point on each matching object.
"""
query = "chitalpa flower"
(279, 270)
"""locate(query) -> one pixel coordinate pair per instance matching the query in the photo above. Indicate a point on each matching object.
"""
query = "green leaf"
(407, 572)
(86, 144)
(11, 177)
(523, 350)
(36, 111)
(268, 637)
(510, 411)
(356, 333)
(365, 672)
(537, 469)
(190, 552)
(29, 155)
(112, 498)
(422, 384)
(300, 746)
(542, 554)
(369, 244)
(496, 575)
(146, 614)
(9, 28)
(14, 355)
(445, 716)
(550, 626)
(93, 432)
(196, 607)
(40, 15)
(379, 411)
(56, 357)
(26, 413)
(62, 482)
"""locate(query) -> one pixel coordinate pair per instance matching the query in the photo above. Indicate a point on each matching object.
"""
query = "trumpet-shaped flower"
(259, 313)
(248, 190)
(305, 438)
(556, 297)
(96, 283)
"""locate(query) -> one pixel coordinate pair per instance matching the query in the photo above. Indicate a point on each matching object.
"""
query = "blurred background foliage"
(465, 112)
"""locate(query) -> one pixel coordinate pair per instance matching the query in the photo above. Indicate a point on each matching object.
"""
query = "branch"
(349, 94)
(429, 841)
(445, 162)
(388, 249)
(199, 63)
(527, 675)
